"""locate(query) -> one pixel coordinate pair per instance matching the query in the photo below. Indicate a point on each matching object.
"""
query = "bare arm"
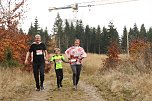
(65, 61)
(46, 55)
(26, 58)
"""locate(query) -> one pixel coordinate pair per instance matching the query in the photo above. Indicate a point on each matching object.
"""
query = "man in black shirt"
(38, 55)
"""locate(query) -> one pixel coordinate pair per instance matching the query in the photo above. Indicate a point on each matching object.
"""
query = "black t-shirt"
(38, 52)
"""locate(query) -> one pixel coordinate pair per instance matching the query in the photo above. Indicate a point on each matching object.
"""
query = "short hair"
(56, 49)
(37, 35)
(77, 40)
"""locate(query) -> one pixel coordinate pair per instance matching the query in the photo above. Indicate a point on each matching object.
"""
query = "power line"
(106, 3)
(91, 3)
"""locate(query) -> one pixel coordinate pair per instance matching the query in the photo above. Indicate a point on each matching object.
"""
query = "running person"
(58, 59)
(75, 55)
(38, 54)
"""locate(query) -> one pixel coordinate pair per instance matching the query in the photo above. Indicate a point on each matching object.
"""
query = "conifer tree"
(124, 40)
(143, 33)
(58, 30)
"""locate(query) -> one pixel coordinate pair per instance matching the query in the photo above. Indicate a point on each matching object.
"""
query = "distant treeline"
(93, 40)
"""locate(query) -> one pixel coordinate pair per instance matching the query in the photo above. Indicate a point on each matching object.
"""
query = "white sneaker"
(74, 87)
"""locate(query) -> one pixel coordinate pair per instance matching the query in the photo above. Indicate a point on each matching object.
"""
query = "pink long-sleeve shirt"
(75, 54)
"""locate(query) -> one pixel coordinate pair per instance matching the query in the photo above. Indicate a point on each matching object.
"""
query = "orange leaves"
(113, 51)
(140, 55)
(137, 48)
(113, 58)
(12, 41)
(15, 42)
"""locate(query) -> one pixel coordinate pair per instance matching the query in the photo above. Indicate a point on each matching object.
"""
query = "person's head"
(37, 38)
(57, 50)
(77, 42)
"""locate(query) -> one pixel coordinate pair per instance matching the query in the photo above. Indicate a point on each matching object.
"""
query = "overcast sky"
(122, 14)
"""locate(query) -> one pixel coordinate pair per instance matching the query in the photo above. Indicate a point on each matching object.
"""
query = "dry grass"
(15, 84)
(124, 83)
(92, 63)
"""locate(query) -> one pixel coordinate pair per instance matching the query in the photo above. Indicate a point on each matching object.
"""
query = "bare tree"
(11, 12)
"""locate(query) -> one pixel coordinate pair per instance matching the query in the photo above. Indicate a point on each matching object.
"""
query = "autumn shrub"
(13, 47)
(113, 58)
(140, 55)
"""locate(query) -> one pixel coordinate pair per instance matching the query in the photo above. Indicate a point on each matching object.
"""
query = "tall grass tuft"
(92, 63)
(15, 84)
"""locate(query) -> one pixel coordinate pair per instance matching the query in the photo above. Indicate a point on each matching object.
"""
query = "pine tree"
(143, 33)
(113, 34)
(66, 36)
(131, 35)
(80, 31)
(134, 33)
(124, 40)
(58, 30)
(149, 34)
(33, 30)
(36, 26)
(93, 43)
(104, 40)
(87, 38)
(45, 36)
(72, 34)
(98, 46)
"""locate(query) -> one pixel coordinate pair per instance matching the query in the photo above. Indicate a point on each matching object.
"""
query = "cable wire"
(107, 3)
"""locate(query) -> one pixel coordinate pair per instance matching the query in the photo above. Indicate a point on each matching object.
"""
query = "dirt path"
(90, 91)
(40, 95)
(85, 92)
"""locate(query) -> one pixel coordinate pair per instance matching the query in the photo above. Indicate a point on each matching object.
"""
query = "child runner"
(58, 59)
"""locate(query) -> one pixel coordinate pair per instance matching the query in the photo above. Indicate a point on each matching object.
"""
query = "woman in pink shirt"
(75, 55)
